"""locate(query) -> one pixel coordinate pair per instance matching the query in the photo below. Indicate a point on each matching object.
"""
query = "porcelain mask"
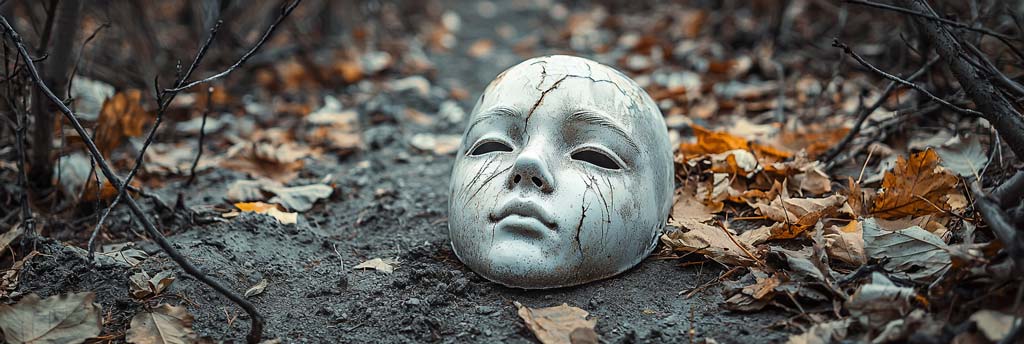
(563, 176)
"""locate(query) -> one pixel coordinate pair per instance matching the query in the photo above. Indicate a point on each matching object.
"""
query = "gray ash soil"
(389, 201)
(390, 209)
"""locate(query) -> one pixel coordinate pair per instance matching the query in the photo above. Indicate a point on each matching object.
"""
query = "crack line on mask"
(476, 178)
(579, 227)
(542, 95)
(543, 75)
(486, 181)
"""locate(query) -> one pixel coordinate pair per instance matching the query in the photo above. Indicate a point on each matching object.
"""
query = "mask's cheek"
(475, 186)
(615, 224)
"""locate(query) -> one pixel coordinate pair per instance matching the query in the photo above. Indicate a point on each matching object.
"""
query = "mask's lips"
(523, 208)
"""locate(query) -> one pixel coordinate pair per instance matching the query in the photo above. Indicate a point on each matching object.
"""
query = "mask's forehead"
(570, 83)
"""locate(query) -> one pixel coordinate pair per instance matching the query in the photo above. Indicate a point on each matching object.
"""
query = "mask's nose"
(531, 171)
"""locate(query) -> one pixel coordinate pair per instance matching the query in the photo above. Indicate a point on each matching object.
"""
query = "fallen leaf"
(9, 278)
(876, 303)
(846, 243)
(177, 159)
(9, 236)
(965, 156)
(143, 286)
(814, 139)
(795, 215)
(714, 142)
(249, 190)
(559, 324)
(822, 333)
(912, 252)
(285, 218)
(279, 162)
(127, 258)
(121, 117)
(66, 318)
(299, 198)
(710, 241)
(382, 265)
(439, 144)
(752, 292)
(916, 186)
(257, 289)
(687, 209)
(480, 48)
(164, 324)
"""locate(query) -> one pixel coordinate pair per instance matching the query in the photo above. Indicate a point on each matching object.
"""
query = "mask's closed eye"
(489, 147)
(596, 158)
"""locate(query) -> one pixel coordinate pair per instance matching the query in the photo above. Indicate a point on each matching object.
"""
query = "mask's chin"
(528, 265)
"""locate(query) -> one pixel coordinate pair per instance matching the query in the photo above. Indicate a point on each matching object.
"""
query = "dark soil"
(390, 201)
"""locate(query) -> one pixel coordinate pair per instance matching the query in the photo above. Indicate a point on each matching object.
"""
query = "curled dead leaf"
(383, 265)
(846, 243)
(256, 289)
(562, 324)
(714, 242)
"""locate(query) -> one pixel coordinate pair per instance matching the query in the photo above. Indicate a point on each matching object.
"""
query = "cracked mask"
(564, 176)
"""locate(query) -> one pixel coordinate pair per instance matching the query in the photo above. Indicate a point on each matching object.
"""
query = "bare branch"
(266, 35)
(202, 135)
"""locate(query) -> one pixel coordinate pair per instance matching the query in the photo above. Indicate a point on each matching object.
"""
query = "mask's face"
(564, 176)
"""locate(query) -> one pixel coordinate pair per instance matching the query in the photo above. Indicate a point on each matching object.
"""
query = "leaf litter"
(856, 251)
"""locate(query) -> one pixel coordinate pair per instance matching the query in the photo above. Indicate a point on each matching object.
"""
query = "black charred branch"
(993, 106)
(56, 71)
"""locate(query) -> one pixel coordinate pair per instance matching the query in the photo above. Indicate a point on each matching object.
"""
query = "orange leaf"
(269, 209)
(121, 117)
(714, 142)
(916, 186)
(255, 207)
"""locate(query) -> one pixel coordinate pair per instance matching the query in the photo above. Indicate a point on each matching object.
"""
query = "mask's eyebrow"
(497, 111)
(601, 119)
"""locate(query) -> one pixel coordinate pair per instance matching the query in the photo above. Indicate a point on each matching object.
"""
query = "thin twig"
(81, 51)
(846, 48)
(202, 135)
(266, 35)
(866, 112)
(949, 22)
(256, 331)
(986, 97)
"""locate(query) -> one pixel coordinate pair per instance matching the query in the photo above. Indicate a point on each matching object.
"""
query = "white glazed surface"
(527, 209)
